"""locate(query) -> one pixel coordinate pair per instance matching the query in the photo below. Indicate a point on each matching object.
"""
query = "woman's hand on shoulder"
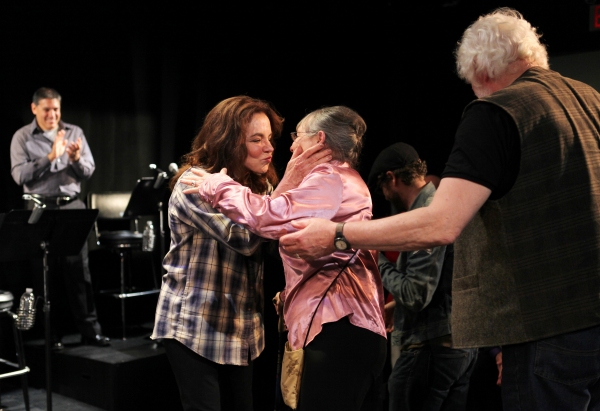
(195, 179)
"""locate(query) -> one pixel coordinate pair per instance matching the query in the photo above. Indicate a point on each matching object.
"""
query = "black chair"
(20, 369)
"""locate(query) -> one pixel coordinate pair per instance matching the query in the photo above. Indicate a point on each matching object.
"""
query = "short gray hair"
(344, 129)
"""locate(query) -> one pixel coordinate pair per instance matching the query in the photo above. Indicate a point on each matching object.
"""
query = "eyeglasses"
(294, 134)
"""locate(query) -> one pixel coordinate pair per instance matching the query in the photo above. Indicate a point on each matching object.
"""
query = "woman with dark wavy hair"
(210, 309)
(333, 306)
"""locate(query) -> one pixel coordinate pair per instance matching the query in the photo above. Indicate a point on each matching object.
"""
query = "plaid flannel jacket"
(211, 298)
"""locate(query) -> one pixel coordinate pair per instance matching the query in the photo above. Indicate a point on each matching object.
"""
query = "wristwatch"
(340, 241)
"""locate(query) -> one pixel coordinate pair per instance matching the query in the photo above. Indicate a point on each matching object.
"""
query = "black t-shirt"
(487, 149)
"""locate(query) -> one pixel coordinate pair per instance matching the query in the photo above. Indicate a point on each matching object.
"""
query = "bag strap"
(321, 300)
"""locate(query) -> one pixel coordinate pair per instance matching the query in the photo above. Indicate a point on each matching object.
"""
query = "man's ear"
(481, 78)
(390, 176)
(33, 107)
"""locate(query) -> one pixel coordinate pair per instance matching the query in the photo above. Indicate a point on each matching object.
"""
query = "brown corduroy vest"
(528, 265)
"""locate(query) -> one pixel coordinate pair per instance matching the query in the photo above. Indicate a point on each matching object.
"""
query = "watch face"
(341, 244)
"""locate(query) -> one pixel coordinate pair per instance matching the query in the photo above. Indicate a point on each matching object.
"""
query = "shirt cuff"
(208, 187)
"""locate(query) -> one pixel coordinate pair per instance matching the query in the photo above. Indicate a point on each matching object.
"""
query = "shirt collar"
(37, 130)
(423, 195)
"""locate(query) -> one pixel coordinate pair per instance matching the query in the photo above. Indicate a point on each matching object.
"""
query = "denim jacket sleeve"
(415, 278)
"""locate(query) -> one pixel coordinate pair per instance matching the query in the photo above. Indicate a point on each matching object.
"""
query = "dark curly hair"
(406, 174)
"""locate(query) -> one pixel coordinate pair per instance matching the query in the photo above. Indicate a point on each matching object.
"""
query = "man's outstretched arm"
(455, 203)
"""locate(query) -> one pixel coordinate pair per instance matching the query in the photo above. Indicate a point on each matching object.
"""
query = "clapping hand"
(74, 149)
(58, 147)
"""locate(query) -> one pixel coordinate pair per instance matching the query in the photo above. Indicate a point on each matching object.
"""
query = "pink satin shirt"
(333, 191)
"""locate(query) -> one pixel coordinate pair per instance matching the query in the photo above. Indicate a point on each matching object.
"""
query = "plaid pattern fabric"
(211, 298)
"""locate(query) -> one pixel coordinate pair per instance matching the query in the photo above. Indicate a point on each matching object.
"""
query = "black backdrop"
(139, 80)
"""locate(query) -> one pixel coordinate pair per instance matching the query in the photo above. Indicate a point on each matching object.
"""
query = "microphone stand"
(161, 177)
(36, 213)
(48, 332)
(161, 226)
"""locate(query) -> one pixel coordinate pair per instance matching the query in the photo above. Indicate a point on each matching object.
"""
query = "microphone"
(26, 312)
(154, 167)
(163, 175)
(160, 178)
(38, 208)
(173, 168)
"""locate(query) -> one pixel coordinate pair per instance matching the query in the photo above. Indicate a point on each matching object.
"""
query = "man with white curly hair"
(520, 199)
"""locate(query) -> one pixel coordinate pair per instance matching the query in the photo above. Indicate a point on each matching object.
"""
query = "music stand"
(57, 232)
(144, 198)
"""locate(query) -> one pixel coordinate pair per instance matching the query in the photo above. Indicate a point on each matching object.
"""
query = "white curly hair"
(494, 41)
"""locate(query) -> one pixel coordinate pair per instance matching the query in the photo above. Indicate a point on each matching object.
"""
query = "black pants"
(207, 386)
(341, 366)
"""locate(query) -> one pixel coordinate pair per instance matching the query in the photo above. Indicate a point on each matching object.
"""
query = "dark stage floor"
(134, 375)
(12, 400)
(131, 374)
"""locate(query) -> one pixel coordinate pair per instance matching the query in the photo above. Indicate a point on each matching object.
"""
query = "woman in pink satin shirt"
(345, 347)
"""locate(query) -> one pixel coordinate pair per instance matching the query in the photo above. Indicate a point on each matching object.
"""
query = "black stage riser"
(129, 375)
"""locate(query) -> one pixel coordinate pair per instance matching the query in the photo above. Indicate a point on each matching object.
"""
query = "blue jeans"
(556, 373)
(431, 378)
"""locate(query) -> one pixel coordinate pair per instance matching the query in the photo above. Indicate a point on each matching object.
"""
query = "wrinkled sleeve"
(319, 195)
(414, 285)
(24, 168)
(196, 213)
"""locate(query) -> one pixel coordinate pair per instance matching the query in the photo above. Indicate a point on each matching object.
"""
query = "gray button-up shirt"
(31, 168)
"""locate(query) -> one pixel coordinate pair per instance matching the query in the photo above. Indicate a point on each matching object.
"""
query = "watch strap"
(339, 230)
